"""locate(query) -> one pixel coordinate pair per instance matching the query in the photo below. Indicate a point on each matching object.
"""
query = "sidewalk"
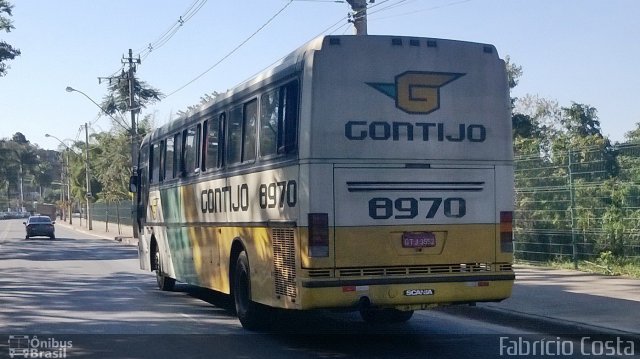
(123, 233)
(556, 297)
(566, 298)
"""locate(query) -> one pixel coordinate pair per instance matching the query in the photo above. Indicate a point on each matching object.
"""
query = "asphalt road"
(89, 293)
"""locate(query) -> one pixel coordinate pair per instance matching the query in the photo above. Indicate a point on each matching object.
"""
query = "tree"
(581, 120)
(7, 52)
(633, 136)
(8, 171)
(19, 162)
(23, 154)
(514, 72)
(111, 161)
(111, 165)
(118, 98)
(203, 100)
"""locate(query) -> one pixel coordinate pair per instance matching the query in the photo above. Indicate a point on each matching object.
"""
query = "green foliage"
(118, 98)
(606, 264)
(7, 52)
(112, 165)
(20, 162)
(574, 189)
(581, 120)
(513, 72)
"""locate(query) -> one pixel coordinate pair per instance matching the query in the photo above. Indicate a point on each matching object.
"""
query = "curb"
(537, 323)
(130, 241)
(126, 240)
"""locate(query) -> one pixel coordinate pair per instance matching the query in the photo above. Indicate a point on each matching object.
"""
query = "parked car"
(40, 226)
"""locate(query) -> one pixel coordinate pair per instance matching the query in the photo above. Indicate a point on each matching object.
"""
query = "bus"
(372, 173)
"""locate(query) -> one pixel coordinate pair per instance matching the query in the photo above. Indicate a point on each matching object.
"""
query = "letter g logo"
(417, 92)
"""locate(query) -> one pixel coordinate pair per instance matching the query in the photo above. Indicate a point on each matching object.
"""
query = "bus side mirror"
(133, 184)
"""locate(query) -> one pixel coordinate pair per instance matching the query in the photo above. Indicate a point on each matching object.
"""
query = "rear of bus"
(405, 147)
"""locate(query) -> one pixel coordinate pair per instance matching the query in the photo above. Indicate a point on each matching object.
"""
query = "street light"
(71, 89)
(88, 183)
(132, 131)
(66, 174)
(86, 126)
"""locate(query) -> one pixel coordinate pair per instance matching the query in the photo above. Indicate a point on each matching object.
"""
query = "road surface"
(89, 293)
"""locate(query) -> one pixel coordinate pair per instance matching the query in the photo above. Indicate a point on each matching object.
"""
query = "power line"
(169, 33)
(419, 10)
(146, 50)
(388, 7)
(234, 50)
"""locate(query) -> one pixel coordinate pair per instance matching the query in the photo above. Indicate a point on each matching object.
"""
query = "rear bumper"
(416, 280)
(40, 233)
(406, 293)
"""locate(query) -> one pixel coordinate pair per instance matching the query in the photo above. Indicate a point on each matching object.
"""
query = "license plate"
(418, 239)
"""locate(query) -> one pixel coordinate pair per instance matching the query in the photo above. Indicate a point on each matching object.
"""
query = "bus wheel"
(248, 312)
(385, 316)
(164, 283)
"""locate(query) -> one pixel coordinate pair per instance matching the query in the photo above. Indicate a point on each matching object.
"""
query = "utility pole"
(132, 106)
(134, 133)
(88, 196)
(359, 18)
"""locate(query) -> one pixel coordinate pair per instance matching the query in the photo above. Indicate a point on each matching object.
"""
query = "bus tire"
(385, 316)
(164, 283)
(248, 312)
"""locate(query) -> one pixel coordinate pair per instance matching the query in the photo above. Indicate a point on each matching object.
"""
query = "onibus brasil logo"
(417, 92)
(24, 346)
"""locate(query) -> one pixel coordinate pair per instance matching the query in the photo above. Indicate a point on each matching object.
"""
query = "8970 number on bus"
(278, 194)
(409, 208)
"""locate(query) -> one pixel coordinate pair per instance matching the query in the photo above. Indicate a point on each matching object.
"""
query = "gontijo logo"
(415, 91)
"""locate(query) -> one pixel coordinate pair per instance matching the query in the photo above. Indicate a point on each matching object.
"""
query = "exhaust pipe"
(364, 303)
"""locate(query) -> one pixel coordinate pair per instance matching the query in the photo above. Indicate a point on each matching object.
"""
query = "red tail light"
(318, 234)
(506, 231)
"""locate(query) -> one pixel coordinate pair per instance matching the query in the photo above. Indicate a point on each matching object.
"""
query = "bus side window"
(169, 159)
(279, 121)
(162, 162)
(242, 133)
(154, 163)
(289, 140)
(269, 123)
(249, 131)
(177, 154)
(234, 139)
(212, 144)
(191, 150)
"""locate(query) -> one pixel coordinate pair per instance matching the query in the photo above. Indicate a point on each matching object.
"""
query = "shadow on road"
(45, 249)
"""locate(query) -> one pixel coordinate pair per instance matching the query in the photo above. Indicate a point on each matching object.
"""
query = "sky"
(584, 51)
